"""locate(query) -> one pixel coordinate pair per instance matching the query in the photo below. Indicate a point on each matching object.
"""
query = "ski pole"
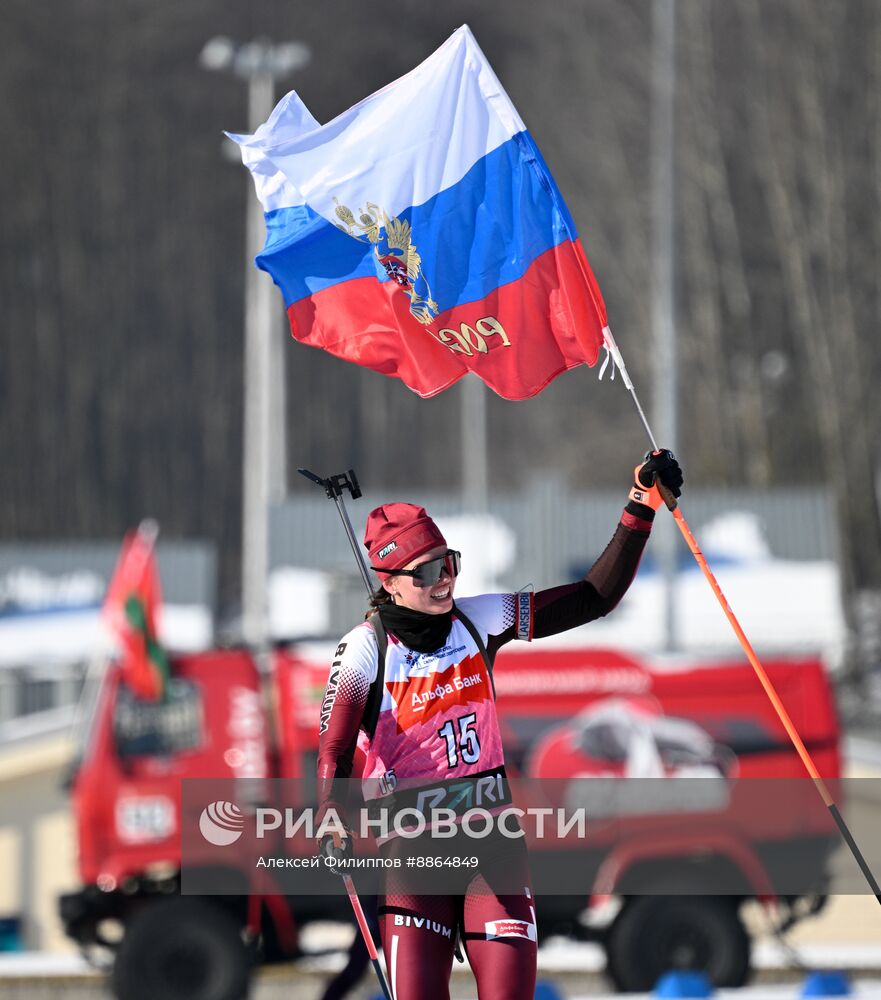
(368, 937)
(333, 486)
(760, 672)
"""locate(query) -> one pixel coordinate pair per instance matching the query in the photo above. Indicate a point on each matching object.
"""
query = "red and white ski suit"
(437, 720)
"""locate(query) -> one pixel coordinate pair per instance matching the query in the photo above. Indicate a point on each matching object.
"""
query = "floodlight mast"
(260, 63)
(663, 194)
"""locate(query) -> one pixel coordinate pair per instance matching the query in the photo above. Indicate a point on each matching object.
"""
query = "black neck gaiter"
(417, 630)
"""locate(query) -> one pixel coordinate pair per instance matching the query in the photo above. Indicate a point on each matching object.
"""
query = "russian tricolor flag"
(422, 235)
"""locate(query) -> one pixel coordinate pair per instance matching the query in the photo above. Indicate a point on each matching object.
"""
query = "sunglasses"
(427, 574)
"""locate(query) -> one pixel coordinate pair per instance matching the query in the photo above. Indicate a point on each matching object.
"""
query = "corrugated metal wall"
(188, 568)
(555, 529)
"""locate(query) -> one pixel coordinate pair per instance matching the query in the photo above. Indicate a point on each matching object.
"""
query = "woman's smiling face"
(433, 600)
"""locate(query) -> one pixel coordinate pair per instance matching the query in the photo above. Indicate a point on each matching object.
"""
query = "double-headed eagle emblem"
(394, 251)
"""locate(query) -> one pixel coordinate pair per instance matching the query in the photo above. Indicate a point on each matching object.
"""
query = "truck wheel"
(181, 949)
(654, 934)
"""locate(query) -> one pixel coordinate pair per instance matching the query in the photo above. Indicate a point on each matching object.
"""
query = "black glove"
(659, 466)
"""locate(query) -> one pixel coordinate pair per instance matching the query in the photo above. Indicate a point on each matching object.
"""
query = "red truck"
(576, 715)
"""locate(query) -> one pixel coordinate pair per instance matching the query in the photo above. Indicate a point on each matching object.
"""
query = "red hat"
(397, 533)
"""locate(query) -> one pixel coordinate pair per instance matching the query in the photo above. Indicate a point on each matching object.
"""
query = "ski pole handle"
(334, 486)
(666, 495)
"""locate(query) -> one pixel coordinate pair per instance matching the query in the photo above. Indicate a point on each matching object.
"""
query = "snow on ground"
(869, 989)
(559, 955)
(42, 964)
(556, 956)
(79, 635)
(299, 602)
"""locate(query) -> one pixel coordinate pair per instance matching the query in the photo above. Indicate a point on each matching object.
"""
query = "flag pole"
(760, 671)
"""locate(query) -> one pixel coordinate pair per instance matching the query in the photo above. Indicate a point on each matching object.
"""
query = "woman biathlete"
(414, 683)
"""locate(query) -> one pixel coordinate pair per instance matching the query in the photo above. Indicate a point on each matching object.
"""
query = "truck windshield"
(158, 728)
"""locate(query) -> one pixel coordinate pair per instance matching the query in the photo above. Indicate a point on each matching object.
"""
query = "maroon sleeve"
(561, 608)
(341, 712)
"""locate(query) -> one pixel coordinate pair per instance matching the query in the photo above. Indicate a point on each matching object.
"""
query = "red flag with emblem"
(130, 609)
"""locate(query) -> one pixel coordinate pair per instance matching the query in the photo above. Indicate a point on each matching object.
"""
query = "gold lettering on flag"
(470, 341)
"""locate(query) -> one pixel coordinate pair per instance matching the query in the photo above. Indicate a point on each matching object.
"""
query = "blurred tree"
(121, 257)
(781, 238)
(823, 210)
